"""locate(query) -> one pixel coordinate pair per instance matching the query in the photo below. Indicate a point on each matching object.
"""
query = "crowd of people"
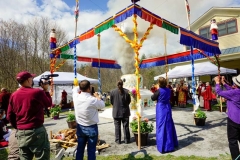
(181, 94)
(25, 112)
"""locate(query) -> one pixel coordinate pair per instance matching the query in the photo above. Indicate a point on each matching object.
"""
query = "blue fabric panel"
(188, 58)
(71, 44)
(106, 65)
(176, 60)
(53, 45)
(152, 64)
(190, 41)
(128, 13)
(53, 55)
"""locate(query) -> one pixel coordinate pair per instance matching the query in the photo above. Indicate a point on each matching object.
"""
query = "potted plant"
(145, 128)
(55, 115)
(55, 110)
(200, 118)
(71, 121)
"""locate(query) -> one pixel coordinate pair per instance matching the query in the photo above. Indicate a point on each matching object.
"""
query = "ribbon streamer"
(60, 65)
(122, 34)
(146, 34)
(99, 71)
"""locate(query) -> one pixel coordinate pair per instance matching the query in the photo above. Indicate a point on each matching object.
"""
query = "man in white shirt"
(86, 110)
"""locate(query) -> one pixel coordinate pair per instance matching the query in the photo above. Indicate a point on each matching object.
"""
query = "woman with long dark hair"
(166, 136)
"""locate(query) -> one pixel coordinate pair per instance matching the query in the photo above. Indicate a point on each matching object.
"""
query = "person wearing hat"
(233, 104)
(25, 113)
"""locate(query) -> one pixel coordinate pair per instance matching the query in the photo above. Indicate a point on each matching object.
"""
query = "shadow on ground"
(139, 155)
(49, 124)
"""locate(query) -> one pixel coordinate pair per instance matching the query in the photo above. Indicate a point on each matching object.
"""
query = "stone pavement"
(208, 141)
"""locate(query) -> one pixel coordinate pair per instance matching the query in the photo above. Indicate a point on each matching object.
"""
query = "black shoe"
(127, 141)
(118, 142)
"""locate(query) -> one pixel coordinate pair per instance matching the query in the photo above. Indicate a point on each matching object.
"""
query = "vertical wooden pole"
(166, 61)
(136, 49)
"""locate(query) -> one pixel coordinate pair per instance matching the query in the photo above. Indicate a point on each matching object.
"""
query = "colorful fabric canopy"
(119, 17)
(174, 58)
(146, 63)
(104, 63)
(187, 38)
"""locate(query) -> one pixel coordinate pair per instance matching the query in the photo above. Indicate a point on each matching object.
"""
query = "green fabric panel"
(67, 56)
(170, 27)
(104, 27)
(65, 48)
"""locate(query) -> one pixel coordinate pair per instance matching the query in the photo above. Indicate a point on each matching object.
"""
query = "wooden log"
(102, 146)
(60, 141)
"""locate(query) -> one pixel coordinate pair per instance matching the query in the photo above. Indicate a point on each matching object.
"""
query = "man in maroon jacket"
(25, 113)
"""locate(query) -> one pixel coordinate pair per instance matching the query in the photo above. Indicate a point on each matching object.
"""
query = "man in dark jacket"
(120, 99)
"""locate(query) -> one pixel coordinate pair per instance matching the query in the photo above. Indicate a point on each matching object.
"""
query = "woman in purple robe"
(166, 136)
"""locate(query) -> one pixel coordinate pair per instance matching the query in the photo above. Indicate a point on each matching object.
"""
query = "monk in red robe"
(207, 96)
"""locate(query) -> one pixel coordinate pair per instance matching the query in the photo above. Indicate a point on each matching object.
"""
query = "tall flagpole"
(75, 82)
(188, 13)
(99, 70)
(192, 57)
(166, 61)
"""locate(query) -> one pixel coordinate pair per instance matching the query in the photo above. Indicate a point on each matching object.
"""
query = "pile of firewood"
(67, 137)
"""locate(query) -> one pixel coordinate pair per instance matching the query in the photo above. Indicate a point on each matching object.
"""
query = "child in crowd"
(4, 133)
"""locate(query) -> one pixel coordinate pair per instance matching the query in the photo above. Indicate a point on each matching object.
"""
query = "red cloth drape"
(151, 18)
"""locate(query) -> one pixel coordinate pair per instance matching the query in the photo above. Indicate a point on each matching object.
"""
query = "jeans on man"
(89, 135)
(33, 142)
(233, 133)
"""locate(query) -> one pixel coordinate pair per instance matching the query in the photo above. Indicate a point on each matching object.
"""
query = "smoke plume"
(124, 53)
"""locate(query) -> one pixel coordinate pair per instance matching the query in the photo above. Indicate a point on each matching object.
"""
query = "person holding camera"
(86, 108)
(25, 113)
(44, 84)
(233, 105)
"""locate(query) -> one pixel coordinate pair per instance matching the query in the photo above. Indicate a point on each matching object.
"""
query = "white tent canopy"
(63, 82)
(205, 68)
(65, 78)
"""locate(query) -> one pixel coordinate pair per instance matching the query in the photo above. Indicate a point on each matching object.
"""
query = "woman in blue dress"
(166, 136)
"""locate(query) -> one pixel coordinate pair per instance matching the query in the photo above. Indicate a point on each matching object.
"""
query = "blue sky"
(86, 4)
(89, 4)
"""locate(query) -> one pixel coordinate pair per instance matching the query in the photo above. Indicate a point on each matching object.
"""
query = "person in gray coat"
(120, 100)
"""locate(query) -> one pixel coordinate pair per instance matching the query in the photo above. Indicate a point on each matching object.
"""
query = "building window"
(224, 28)
(232, 27)
(205, 32)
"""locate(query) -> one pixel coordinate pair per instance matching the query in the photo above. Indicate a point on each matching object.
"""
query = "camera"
(46, 78)
(92, 90)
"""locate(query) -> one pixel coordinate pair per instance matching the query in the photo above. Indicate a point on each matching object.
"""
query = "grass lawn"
(4, 154)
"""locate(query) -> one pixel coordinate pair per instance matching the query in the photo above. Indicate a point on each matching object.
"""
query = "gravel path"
(208, 141)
